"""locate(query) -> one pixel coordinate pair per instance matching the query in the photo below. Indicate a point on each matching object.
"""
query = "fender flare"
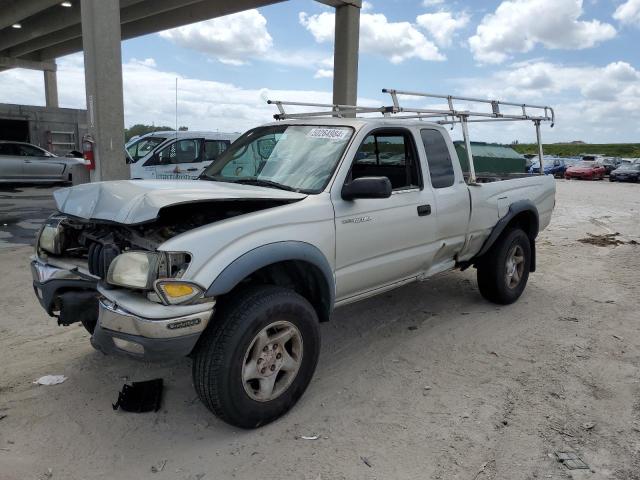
(514, 209)
(265, 255)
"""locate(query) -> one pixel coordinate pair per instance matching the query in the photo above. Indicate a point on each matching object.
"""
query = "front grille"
(100, 257)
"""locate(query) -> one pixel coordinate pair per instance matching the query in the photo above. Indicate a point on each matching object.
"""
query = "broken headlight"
(140, 270)
(135, 269)
(51, 237)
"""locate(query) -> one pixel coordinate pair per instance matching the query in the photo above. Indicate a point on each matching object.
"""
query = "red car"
(585, 170)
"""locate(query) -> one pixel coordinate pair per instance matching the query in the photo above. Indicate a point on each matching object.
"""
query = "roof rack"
(444, 116)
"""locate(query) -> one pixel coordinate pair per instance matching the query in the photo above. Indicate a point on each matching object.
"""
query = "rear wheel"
(504, 270)
(259, 359)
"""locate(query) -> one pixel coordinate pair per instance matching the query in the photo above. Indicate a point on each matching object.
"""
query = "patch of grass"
(628, 150)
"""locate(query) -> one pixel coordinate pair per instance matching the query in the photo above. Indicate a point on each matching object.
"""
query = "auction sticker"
(329, 133)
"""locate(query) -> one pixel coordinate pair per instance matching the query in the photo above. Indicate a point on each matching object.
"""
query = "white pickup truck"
(297, 217)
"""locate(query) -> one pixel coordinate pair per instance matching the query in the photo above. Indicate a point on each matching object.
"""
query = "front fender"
(269, 254)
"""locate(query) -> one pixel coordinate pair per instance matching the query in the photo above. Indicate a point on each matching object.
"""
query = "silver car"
(25, 163)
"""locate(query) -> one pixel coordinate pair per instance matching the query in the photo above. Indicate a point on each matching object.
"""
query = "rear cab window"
(438, 158)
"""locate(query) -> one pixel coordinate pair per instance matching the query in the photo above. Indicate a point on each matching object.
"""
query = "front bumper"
(130, 324)
(125, 321)
(50, 282)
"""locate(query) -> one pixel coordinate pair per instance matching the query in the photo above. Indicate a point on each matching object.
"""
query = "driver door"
(383, 242)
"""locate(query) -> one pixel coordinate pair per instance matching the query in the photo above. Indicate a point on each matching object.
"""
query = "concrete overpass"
(33, 33)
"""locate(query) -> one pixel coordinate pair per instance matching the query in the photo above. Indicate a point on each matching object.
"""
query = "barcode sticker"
(329, 133)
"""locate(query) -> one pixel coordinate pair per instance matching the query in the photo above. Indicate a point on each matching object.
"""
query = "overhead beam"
(340, 3)
(46, 30)
(18, 10)
(140, 19)
(9, 62)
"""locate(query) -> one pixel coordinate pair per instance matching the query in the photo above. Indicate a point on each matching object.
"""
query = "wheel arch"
(522, 214)
(294, 264)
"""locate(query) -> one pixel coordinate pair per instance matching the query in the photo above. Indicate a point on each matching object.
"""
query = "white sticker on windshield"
(329, 133)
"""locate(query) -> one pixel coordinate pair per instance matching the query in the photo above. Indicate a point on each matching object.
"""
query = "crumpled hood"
(139, 201)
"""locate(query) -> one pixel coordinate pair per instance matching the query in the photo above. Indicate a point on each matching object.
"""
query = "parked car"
(552, 166)
(628, 172)
(238, 268)
(26, 163)
(609, 163)
(175, 155)
(586, 170)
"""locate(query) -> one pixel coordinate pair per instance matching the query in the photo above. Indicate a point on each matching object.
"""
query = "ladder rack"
(442, 116)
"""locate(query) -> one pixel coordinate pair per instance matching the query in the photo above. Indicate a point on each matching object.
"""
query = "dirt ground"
(427, 382)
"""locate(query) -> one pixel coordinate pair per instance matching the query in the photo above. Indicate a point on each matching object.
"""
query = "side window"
(438, 158)
(7, 149)
(391, 154)
(182, 151)
(214, 148)
(29, 151)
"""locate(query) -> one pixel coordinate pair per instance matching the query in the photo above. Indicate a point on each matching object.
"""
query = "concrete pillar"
(103, 80)
(51, 88)
(345, 57)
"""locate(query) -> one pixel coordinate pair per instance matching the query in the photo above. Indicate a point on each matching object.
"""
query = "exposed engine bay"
(100, 242)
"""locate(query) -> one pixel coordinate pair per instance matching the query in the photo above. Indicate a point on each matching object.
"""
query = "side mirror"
(367, 187)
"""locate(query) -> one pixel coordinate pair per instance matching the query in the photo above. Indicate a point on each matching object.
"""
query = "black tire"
(220, 356)
(492, 278)
(611, 179)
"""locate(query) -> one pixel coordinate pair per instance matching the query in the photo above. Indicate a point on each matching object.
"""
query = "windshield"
(143, 146)
(629, 166)
(300, 158)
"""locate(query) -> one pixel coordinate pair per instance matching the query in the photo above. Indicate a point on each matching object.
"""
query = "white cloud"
(324, 73)
(431, 3)
(586, 98)
(520, 25)
(202, 104)
(366, 6)
(232, 39)
(628, 13)
(442, 26)
(397, 41)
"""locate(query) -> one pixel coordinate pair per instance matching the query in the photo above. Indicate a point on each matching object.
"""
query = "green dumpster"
(491, 158)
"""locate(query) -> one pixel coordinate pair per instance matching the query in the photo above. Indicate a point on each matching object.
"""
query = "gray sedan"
(25, 163)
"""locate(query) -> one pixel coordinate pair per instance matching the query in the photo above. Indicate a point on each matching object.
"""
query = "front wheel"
(259, 357)
(504, 270)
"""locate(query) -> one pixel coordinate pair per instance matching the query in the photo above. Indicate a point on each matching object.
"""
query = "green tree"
(140, 129)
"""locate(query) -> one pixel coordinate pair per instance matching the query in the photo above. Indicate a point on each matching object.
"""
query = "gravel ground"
(429, 381)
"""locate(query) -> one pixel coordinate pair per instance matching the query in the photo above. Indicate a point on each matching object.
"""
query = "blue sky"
(580, 56)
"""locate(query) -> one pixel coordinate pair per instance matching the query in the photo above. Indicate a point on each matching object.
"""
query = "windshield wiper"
(265, 183)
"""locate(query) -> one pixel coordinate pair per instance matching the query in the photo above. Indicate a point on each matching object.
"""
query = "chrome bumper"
(129, 323)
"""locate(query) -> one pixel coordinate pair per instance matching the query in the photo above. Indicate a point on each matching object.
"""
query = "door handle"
(424, 210)
(27, 161)
(192, 169)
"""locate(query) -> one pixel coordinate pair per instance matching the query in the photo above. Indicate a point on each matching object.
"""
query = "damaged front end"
(112, 278)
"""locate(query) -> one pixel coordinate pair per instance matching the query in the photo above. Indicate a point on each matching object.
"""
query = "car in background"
(609, 163)
(174, 155)
(552, 166)
(627, 172)
(586, 170)
(22, 162)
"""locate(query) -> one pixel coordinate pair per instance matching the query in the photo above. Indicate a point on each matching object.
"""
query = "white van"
(173, 155)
